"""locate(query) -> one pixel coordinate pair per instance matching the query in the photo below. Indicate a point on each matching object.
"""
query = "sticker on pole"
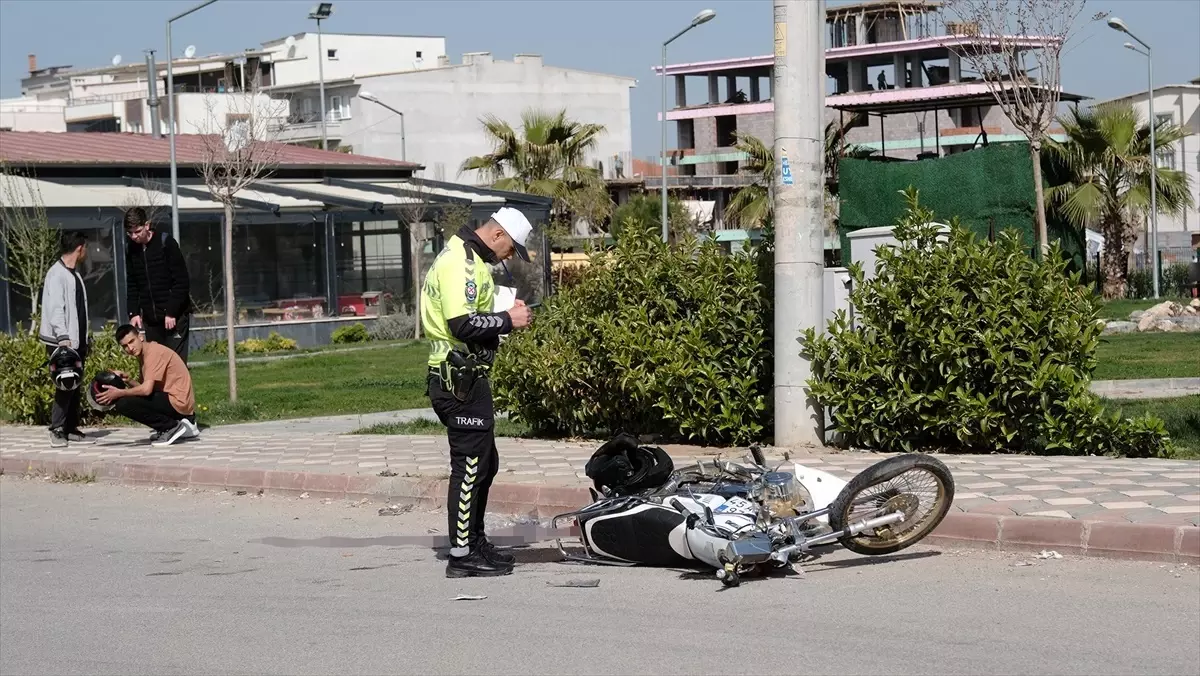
(785, 170)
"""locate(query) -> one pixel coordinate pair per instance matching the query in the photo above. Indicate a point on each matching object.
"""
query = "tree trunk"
(230, 309)
(416, 246)
(1115, 260)
(33, 313)
(1035, 154)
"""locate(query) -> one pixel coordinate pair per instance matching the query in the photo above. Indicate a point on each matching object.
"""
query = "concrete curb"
(1099, 539)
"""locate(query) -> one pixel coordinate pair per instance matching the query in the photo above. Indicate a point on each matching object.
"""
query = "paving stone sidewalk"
(1142, 491)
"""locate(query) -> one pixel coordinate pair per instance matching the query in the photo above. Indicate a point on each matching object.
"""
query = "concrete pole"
(321, 84)
(799, 92)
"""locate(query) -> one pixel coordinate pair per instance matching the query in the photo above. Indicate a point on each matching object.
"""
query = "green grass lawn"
(1180, 415)
(426, 426)
(328, 383)
(1127, 356)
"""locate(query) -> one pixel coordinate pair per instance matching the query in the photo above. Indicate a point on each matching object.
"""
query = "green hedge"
(26, 391)
(653, 339)
(969, 346)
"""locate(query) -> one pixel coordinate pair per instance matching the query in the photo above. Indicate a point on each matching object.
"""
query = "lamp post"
(321, 11)
(171, 118)
(368, 96)
(703, 17)
(1119, 25)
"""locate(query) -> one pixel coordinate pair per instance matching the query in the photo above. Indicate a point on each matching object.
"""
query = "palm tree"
(1107, 158)
(751, 206)
(546, 157)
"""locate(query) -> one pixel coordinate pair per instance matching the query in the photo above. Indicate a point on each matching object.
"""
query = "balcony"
(305, 127)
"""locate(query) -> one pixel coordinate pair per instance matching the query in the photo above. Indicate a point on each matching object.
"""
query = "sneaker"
(171, 436)
(58, 439)
(494, 555)
(193, 430)
(76, 436)
(475, 564)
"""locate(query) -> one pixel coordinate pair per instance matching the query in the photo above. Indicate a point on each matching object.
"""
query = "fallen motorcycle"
(745, 519)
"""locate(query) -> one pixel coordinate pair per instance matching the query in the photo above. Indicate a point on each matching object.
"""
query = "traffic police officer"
(464, 335)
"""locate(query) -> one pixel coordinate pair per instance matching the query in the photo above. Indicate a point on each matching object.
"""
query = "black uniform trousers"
(67, 408)
(474, 459)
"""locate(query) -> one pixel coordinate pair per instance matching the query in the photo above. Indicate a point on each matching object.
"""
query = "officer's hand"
(136, 321)
(64, 343)
(520, 314)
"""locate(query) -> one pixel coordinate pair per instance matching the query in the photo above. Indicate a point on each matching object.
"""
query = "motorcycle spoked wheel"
(921, 486)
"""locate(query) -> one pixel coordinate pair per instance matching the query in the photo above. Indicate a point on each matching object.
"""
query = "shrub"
(654, 339)
(969, 346)
(394, 327)
(273, 343)
(26, 391)
(354, 333)
(1174, 282)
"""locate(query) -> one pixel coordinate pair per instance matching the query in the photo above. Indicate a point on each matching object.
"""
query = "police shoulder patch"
(472, 291)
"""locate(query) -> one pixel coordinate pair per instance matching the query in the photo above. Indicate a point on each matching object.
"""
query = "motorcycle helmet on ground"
(97, 385)
(66, 368)
(623, 467)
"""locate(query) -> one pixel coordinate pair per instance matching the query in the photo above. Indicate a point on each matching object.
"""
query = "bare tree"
(1017, 38)
(30, 243)
(416, 215)
(151, 198)
(237, 149)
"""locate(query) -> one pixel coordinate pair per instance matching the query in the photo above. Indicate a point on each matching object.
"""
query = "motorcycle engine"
(783, 496)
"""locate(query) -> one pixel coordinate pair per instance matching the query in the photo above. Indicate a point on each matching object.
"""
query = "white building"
(1178, 104)
(442, 105)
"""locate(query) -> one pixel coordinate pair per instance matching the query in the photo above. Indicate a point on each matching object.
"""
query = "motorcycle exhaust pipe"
(853, 529)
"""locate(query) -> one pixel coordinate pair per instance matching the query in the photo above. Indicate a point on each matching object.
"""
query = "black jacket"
(157, 278)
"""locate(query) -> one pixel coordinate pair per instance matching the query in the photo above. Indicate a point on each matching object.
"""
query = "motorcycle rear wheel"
(893, 479)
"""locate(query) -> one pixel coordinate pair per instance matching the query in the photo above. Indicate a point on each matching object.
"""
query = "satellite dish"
(116, 60)
(240, 61)
(190, 51)
(290, 41)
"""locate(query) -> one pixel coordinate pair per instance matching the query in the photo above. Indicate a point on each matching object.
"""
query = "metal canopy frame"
(381, 190)
(196, 193)
(301, 194)
(524, 198)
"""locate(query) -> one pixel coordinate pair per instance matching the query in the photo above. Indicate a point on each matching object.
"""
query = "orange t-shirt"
(160, 364)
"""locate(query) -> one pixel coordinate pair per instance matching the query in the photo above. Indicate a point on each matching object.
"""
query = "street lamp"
(171, 118)
(368, 96)
(703, 17)
(321, 11)
(1119, 25)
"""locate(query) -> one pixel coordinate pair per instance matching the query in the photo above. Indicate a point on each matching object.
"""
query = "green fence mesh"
(982, 187)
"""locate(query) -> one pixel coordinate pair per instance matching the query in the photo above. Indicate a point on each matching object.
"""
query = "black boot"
(475, 564)
(495, 555)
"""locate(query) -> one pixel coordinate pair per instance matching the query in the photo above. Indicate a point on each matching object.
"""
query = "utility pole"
(152, 101)
(799, 94)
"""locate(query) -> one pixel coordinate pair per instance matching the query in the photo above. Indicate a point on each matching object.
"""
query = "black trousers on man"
(176, 339)
(474, 459)
(64, 414)
(154, 411)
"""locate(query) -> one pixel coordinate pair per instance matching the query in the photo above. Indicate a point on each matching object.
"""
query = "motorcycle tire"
(881, 473)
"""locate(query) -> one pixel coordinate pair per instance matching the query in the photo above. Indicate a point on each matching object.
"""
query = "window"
(418, 53)
(1166, 159)
(1162, 119)
(332, 54)
(339, 108)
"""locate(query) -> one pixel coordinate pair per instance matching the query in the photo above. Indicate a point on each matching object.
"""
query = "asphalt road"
(98, 579)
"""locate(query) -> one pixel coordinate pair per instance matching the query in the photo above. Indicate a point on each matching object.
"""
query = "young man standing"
(65, 323)
(464, 335)
(164, 399)
(158, 285)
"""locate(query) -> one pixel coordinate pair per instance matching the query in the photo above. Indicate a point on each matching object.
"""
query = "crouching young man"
(163, 400)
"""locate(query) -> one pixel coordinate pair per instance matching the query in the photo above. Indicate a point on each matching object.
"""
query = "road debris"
(395, 510)
(468, 597)
(1049, 554)
(575, 582)
(303, 496)
(387, 472)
